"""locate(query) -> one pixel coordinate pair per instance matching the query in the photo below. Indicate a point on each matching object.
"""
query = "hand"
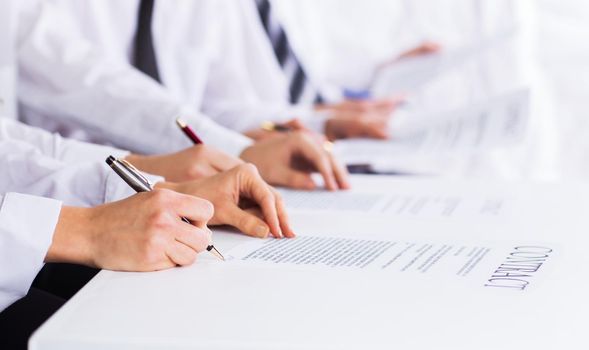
(368, 127)
(190, 164)
(290, 159)
(242, 200)
(141, 233)
(263, 133)
(383, 106)
(425, 48)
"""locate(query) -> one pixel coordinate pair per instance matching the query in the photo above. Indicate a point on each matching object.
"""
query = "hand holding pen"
(140, 184)
(290, 159)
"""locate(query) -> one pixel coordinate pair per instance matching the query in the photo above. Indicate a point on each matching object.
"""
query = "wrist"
(73, 237)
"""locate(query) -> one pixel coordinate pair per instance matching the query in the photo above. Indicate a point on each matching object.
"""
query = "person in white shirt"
(215, 57)
(141, 233)
(91, 220)
(84, 223)
(350, 113)
(61, 73)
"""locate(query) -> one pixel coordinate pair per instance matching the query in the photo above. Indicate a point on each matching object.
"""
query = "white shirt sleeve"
(26, 169)
(63, 76)
(27, 224)
(55, 146)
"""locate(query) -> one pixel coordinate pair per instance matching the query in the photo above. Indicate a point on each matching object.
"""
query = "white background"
(341, 40)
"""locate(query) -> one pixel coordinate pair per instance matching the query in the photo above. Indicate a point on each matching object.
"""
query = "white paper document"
(419, 205)
(499, 122)
(456, 75)
(496, 265)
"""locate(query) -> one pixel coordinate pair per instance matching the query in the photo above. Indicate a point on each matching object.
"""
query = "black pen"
(139, 183)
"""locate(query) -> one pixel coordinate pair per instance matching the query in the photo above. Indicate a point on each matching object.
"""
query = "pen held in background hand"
(139, 183)
(188, 132)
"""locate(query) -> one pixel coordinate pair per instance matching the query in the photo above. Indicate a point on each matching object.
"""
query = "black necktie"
(144, 54)
(283, 52)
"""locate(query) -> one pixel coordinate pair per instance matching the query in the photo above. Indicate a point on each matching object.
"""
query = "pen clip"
(135, 172)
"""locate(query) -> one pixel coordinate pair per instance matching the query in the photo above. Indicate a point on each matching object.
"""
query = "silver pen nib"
(215, 252)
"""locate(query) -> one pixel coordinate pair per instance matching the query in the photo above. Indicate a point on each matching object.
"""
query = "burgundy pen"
(187, 130)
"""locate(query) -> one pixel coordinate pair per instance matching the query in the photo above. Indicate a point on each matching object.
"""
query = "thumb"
(246, 222)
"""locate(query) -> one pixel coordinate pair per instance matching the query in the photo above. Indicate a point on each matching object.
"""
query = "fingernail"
(261, 231)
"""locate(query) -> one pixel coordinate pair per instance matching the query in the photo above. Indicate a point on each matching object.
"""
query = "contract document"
(504, 265)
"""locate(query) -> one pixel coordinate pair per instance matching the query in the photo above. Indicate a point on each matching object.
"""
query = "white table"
(215, 306)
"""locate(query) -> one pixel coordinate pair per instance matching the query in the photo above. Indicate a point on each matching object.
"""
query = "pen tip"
(180, 123)
(218, 254)
(110, 160)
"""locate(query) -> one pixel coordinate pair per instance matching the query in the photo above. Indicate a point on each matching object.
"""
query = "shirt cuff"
(27, 224)
(217, 136)
(83, 151)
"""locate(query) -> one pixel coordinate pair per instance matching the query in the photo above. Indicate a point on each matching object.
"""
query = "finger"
(245, 222)
(385, 104)
(198, 239)
(341, 174)
(164, 264)
(257, 190)
(181, 254)
(377, 131)
(298, 180)
(319, 158)
(282, 215)
(199, 211)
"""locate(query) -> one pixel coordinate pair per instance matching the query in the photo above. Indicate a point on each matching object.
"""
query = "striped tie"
(300, 90)
(144, 54)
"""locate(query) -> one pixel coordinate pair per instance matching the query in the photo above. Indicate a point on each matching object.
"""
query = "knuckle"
(157, 221)
(244, 222)
(267, 196)
(199, 150)
(249, 168)
(278, 198)
(208, 209)
(160, 197)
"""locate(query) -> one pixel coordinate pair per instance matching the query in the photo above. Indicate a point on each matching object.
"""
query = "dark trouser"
(55, 284)
(22, 318)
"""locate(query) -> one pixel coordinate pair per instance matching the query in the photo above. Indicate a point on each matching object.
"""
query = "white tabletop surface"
(212, 305)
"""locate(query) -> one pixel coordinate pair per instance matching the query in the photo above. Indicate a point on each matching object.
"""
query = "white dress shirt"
(39, 163)
(208, 58)
(70, 85)
(35, 162)
(27, 224)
